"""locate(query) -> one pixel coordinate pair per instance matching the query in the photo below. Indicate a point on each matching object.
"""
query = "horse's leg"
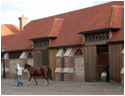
(47, 81)
(35, 80)
(29, 80)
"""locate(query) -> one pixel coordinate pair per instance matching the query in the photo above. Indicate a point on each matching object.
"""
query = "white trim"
(123, 51)
(23, 55)
(60, 53)
(65, 70)
(122, 71)
(69, 52)
(6, 56)
(68, 70)
(59, 70)
(7, 69)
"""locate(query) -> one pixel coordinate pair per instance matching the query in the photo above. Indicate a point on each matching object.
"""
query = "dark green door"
(45, 57)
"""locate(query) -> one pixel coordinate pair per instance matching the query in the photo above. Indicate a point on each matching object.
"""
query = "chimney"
(22, 22)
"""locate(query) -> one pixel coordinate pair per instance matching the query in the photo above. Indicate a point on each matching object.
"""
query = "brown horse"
(39, 71)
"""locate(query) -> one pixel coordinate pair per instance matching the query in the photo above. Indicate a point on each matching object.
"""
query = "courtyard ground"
(8, 87)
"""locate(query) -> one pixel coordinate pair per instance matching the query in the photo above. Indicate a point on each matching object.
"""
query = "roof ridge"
(73, 11)
(113, 16)
(10, 34)
(50, 33)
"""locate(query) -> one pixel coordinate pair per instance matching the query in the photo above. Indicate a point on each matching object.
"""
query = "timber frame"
(96, 60)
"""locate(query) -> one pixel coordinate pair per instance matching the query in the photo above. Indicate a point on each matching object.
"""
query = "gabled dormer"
(44, 41)
(99, 36)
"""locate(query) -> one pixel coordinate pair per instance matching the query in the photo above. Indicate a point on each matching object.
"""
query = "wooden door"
(45, 57)
(102, 61)
(37, 58)
(52, 60)
(115, 62)
(90, 63)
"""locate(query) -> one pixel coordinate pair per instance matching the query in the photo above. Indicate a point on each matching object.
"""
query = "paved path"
(8, 87)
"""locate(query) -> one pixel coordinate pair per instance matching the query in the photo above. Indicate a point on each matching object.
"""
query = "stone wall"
(68, 66)
(11, 64)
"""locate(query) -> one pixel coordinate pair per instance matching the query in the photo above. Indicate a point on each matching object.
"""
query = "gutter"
(65, 46)
(42, 38)
(19, 50)
(112, 42)
(99, 30)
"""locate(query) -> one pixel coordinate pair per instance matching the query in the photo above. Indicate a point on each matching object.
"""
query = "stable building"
(76, 45)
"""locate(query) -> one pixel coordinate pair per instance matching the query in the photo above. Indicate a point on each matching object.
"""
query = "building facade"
(76, 45)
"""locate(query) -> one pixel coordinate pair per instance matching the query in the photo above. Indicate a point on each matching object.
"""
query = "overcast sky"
(11, 10)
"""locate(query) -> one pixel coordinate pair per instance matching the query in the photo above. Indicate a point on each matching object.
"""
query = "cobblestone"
(8, 87)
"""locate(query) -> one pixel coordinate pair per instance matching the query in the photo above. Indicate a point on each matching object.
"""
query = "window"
(78, 52)
(97, 36)
(30, 55)
(14, 55)
(41, 43)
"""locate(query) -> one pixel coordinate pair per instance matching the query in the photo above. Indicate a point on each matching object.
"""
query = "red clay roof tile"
(7, 29)
(119, 35)
(56, 27)
(116, 16)
(92, 18)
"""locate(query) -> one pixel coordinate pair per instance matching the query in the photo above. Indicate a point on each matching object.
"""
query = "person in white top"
(18, 73)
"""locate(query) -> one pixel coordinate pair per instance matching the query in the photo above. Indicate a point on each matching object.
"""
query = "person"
(107, 71)
(18, 74)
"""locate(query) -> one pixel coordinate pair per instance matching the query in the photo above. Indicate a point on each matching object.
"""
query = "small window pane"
(30, 55)
(78, 52)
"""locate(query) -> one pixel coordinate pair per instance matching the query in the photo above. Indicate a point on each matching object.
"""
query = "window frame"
(78, 52)
(95, 37)
(41, 43)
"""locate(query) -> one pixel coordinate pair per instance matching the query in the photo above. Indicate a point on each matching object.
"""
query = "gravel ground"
(9, 87)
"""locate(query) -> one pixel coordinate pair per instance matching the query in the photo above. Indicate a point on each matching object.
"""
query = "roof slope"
(119, 35)
(7, 29)
(92, 18)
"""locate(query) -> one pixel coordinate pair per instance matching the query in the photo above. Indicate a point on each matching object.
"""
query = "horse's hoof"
(27, 84)
(46, 84)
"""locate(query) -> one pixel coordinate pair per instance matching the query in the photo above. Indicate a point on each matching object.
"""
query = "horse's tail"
(49, 73)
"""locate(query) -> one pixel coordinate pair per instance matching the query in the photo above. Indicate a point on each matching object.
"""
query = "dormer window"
(41, 43)
(96, 36)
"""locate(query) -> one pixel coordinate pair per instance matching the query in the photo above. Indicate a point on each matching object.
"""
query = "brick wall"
(68, 76)
(68, 63)
(74, 64)
(59, 76)
(10, 64)
(59, 64)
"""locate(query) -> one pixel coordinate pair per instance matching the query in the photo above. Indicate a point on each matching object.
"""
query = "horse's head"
(25, 66)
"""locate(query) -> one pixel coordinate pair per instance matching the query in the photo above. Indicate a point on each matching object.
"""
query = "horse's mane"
(28, 65)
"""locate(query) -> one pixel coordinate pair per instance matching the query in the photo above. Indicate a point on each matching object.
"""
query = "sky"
(11, 10)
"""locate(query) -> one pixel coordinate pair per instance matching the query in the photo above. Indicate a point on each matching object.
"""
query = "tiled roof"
(93, 18)
(119, 35)
(66, 29)
(7, 29)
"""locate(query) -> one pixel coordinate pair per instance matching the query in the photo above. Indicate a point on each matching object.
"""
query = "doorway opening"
(102, 60)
